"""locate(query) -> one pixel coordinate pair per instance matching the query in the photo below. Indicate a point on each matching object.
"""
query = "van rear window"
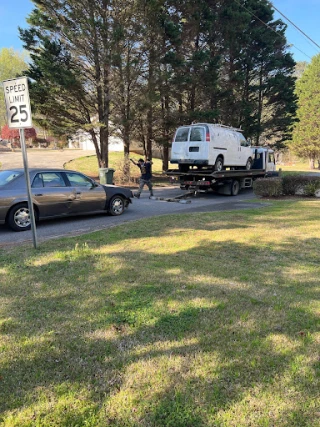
(197, 134)
(182, 134)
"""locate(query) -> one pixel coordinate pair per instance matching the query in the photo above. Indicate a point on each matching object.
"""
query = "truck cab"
(263, 158)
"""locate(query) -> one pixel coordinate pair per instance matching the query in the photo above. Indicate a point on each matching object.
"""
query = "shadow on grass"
(209, 330)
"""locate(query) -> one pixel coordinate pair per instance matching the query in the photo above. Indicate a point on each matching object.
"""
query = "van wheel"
(218, 166)
(249, 164)
(235, 187)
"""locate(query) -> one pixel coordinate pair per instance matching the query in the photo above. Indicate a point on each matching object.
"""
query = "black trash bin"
(106, 175)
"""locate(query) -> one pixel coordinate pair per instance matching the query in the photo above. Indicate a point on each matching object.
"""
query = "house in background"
(83, 141)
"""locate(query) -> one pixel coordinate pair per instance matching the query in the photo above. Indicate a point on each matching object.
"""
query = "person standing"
(146, 176)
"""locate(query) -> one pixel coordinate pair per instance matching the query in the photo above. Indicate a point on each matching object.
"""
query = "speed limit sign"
(17, 99)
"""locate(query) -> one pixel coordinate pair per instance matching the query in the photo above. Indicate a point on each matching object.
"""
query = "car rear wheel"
(19, 217)
(116, 206)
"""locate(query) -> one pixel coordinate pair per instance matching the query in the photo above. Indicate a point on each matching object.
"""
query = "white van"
(210, 145)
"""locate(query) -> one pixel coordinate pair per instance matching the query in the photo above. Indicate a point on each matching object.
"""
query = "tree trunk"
(312, 163)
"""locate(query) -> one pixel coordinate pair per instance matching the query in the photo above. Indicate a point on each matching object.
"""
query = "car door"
(51, 193)
(89, 196)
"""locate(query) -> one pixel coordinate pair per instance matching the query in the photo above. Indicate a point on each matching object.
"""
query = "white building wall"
(83, 141)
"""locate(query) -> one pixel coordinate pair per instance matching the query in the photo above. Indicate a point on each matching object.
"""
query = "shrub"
(289, 185)
(300, 184)
(268, 187)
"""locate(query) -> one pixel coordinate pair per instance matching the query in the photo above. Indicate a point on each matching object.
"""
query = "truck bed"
(254, 173)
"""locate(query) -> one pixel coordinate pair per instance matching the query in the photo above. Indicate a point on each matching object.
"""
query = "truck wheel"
(249, 164)
(218, 166)
(235, 187)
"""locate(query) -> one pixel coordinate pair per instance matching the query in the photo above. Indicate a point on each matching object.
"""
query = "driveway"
(38, 158)
(142, 208)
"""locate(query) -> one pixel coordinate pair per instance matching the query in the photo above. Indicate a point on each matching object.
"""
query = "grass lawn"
(207, 319)
(89, 166)
(297, 167)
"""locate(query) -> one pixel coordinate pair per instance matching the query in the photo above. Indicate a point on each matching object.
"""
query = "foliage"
(288, 185)
(306, 136)
(207, 319)
(13, 134)
(268, 187)
(143, 69)
(12, 64)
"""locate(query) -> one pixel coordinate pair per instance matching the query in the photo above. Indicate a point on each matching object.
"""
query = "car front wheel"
(116, 206)
(19, 217)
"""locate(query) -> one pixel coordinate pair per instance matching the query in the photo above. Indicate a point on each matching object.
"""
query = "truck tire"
(235, 187)
(218, 166)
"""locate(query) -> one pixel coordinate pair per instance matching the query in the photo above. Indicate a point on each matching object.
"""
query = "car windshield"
(7, 176)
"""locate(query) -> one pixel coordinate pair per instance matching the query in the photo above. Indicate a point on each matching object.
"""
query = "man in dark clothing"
(146, 175)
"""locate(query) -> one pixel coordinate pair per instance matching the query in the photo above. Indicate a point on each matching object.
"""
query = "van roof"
(217, 125)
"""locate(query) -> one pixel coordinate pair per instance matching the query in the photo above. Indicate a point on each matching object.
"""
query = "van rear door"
(191, 145)
(179, 145)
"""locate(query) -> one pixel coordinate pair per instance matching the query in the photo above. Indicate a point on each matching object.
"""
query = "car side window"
(53, 179)
(38, 181)
(78, 180)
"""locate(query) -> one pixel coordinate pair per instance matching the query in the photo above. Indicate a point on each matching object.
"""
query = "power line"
(270, 28)
(292, 23)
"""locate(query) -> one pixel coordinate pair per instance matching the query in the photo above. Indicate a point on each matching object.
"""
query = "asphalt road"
(140, 208)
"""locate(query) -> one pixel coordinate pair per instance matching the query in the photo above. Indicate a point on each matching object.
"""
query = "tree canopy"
(306, 135)
(12, 64)
(143, 67)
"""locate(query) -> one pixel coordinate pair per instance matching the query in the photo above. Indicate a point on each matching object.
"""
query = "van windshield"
(182, 134)
(197, 134)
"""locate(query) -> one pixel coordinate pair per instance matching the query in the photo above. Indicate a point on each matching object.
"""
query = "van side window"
(182, 134)
(197, 134)
(244, 142)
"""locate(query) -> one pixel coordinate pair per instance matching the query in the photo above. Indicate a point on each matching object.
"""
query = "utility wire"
(270, 28)
(292, 23)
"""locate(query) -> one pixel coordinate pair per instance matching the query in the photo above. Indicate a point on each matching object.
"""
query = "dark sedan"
(56, 193)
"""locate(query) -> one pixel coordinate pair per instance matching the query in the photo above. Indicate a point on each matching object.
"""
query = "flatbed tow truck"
(228, 182)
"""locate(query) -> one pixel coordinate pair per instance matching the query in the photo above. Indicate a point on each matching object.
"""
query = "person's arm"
(134, 162)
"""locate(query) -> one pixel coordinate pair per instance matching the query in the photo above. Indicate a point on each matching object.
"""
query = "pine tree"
(70, 45)
(306, 135)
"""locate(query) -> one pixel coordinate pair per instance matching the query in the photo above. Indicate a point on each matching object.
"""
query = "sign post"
(16, 93)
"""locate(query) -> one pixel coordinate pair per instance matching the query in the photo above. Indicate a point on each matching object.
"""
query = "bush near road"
(208, 320)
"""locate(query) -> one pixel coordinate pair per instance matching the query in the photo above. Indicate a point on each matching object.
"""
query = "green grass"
(297, 167)
(182, 321)
(89, 166)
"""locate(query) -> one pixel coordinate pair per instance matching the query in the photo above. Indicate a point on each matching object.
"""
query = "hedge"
(289, 185)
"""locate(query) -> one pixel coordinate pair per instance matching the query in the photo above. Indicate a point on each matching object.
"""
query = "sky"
(305, 14)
